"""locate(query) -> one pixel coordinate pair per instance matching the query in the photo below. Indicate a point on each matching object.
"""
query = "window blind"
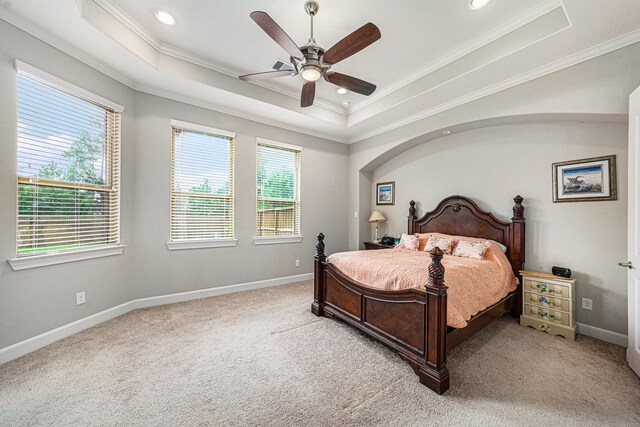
(278, 190)
(202, 184)
(68, 170)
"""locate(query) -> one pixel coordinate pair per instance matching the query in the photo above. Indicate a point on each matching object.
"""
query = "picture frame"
(585, 180)
(386, 193)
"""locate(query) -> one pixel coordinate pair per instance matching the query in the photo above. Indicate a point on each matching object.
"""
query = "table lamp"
(377, 217)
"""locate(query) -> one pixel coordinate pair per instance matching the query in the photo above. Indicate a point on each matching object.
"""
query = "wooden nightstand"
(548, 303)
(371, 246)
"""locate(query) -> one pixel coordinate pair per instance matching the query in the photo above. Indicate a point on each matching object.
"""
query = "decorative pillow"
(423, 237)
(409, 242)
(468, 249)
(444, 243)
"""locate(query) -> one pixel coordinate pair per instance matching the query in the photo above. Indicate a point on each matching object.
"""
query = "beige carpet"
(261, 358)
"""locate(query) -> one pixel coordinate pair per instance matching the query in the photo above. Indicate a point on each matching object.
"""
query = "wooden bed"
(413, 322)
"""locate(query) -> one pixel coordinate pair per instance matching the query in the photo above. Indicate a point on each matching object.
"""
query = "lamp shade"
(376, 216)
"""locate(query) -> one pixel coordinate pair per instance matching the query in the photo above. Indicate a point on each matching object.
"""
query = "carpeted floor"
(261, 358)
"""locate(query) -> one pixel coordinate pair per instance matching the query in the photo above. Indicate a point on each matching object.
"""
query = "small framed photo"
(386, 193)
(585, 180)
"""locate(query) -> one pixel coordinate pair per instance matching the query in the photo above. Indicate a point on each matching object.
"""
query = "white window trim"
(276, 240)
(66, 86)
(201, 244)
(205, 243)
(280, 240)
(279, 144)
(201, 128)
(35, 261)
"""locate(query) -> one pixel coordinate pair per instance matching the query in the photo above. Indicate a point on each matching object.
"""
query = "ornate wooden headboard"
(460, 216)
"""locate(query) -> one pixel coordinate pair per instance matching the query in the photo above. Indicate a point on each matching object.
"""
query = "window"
(278, 192)
(68, 167)
(202, 185)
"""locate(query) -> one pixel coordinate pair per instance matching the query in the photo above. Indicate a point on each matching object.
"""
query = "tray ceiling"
(433, 55)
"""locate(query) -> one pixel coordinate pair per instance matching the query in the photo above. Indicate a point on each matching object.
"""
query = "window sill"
(35, 261)
(201, 244)
(277, 240)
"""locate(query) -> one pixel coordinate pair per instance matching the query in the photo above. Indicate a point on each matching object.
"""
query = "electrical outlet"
(297, 263)
(587, 304)
(81, 298)
(355, 214)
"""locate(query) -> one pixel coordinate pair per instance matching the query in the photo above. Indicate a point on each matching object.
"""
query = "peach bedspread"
(473, 284)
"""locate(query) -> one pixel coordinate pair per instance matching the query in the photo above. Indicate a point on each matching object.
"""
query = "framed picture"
(385, 193)
(585, 180)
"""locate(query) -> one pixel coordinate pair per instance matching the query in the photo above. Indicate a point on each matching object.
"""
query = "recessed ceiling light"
(165, 17)
(342, 91)
(477, 4)
(345, 104)
(447, 132)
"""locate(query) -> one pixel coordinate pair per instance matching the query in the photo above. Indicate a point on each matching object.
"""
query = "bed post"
(317, 306)
(412, 217)
(516, 250)
(434, 373)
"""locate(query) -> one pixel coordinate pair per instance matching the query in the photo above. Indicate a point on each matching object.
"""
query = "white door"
(633, 264)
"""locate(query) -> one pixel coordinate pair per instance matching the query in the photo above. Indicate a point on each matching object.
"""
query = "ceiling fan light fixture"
(165, 17)
(311, 73)
(477, 4)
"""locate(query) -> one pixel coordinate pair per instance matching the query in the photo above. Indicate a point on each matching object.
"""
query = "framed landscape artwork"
(585, 180)
(385, 193)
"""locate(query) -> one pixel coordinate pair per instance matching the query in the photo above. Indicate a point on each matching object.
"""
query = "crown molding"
(233, 112)
(521, 20)
(82, 57)
(48, 38)
(585, 55)
(582, 56)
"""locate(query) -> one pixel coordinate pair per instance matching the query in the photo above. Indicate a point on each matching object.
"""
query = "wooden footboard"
(412, 322)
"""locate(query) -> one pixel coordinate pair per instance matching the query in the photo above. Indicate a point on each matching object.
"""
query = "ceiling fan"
(311, 60)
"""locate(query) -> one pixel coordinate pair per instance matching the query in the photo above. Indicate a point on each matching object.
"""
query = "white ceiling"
(222, 32)
(433, 55)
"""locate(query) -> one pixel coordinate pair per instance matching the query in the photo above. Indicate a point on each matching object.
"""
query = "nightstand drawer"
(545, 288)
(548, 315)
(547, 301)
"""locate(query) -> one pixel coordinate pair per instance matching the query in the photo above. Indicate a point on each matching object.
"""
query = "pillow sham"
(469, 249)
(408, 242)
(444, 243)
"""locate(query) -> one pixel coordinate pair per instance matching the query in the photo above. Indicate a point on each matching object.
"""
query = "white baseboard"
(27, 346)
(222, 290)
(602, 334)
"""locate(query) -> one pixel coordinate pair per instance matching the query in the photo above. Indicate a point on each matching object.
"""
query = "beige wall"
(596, 88)
(494, 164)
(323, 204)
(39, 300)
(336, 182)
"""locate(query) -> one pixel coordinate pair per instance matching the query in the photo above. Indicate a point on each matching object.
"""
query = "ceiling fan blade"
(351, 83)
(353, 43)
(308, 94)
(266, 75)
(278, 35)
